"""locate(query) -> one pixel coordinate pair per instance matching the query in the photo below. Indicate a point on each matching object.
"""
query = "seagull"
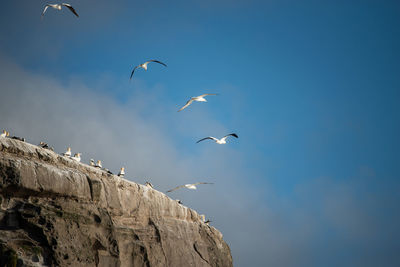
(199, 98)
(77, 157)
(17, 138)
(58, 7)
(107, 170)
(203, 219)
(148, 184)
(144, 65)
(45, 146)
(219, 141)
(98, 164)
(92, 162)
(188, 186)
(67, 153)
(3, 134)
(121, 172)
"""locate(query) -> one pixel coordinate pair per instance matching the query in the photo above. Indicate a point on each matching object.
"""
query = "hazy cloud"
(324, 222)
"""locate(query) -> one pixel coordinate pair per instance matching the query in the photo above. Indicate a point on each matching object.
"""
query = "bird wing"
(206, 95)
(156, 61)
(232, 134)
(201, 183)
(71, 8)
(133, 71)
(176, 188)
(45, 9)
(205, 138)
(186, 105)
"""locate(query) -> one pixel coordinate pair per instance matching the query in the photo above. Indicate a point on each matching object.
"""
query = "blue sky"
(310, 87)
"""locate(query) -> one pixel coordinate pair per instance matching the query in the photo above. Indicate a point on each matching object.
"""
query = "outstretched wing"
(71, 8)
(207, 95)
(176, 188)
(209, 137)
(44, 10)
(156, 61)
(202, 183)
(232, 134)
(133, 71)
(186, 105)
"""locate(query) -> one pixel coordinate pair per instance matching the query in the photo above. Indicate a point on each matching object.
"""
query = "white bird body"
(59, 7)
(121, 172)
(3, 134)
(144, 65)
(199, 98)
(221, 141)
(188, 186)
(191, 186)
(68, 152)
(77, 157)
(98, 164)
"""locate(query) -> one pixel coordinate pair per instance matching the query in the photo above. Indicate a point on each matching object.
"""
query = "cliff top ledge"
(56, 211)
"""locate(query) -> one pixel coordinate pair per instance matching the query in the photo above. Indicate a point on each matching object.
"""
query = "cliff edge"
(58, 212)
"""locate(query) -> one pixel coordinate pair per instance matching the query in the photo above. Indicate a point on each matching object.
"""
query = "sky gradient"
(312, 88)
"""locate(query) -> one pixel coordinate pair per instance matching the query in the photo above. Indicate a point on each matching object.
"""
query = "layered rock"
(58, 212)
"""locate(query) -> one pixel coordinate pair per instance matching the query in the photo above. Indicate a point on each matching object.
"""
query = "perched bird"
(199, 98)
(8, 134)
(3, 134)
(148, 184)
(77, 157)
(92, 162)
(45, 146)
(188, 186)
(67, 153)
(219, 141)
(18, 138)
(144, 65)
(58, 7)
(178, 201)
(203, 219)
(107, 170)
(121, 172)
(98, 164)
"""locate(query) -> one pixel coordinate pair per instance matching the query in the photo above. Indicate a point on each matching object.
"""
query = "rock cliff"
(58, 212)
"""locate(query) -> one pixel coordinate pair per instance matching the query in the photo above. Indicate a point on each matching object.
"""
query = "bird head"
(123, 169)
(69, 149)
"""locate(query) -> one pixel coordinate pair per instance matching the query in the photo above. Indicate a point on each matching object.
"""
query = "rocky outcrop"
(58, 212)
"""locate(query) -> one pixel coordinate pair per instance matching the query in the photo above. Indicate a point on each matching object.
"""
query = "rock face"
(58, 212)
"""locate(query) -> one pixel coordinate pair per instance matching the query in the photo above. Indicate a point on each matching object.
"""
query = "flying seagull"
(144, 65)
(199, 98)
(219, 141)
(188, 186)
(58, 7)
